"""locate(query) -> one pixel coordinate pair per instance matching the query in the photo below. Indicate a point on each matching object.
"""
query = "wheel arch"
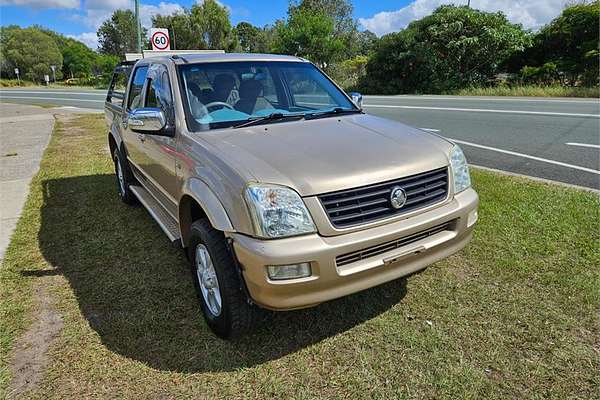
(198, 201)
(114, 142)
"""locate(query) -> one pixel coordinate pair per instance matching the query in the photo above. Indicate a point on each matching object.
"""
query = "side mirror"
(357, 98)
(147, 120)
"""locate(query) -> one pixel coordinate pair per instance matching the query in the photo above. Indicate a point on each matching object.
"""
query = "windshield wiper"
(335, 111)
(271, 117)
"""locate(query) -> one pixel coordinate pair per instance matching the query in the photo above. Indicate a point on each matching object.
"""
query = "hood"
(330, 154)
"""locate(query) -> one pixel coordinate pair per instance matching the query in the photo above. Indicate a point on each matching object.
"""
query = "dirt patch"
(30, 356)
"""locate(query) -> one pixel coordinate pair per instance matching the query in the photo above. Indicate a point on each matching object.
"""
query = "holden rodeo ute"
(282, 191)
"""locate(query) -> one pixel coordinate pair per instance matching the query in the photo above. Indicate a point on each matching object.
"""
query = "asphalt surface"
(557, 139)
(24, 134)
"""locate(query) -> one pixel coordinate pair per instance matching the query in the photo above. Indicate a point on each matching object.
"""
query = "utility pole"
(469, 3)
(138, 26)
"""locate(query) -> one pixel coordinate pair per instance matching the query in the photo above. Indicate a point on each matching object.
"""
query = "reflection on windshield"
(225, 94)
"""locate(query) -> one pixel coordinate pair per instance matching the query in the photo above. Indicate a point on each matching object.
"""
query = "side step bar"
(164, 220)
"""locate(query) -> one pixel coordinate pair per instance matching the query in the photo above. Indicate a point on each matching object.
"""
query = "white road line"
(466, 98)
(514, 153)
(485, 110)
(98, 93)
(593, 146)
(429, 129)
(49, 98)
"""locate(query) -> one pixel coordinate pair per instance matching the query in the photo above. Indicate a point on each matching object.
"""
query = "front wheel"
(222, 299)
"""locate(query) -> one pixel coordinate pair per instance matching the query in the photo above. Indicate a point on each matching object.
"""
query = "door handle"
(142, 137)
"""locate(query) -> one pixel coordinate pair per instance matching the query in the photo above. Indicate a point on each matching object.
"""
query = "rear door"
(134, 142)
(116, 94)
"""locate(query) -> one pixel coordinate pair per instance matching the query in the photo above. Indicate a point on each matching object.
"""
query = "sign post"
(53, 68)
(18, 78)
(159, 37)
(47, 79)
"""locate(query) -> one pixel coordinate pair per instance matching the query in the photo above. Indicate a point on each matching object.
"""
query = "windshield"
(220, 95)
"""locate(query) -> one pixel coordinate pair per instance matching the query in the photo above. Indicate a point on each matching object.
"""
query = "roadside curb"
(536, 179)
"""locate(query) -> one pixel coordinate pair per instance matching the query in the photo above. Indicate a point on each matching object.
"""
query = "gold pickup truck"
(281, 190)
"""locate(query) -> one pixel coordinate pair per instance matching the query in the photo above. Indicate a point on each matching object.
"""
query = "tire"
(235, 316)
(124, 178)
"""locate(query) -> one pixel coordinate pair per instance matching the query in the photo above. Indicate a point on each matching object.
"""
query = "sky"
(81, 18)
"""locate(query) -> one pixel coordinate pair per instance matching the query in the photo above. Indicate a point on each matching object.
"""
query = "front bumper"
(330, 281)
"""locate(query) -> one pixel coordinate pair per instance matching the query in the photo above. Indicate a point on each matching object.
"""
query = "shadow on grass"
(136, 290)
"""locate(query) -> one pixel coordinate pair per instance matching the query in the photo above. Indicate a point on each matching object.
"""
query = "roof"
(164, 53)
(224, 57)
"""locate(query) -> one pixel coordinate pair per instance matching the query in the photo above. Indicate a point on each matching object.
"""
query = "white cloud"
(148, 11)
(38, 4)
(97, 11)
(88, 38)
(107, 4)
(531, 13)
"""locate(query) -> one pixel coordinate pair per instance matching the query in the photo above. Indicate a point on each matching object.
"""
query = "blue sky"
(81, 18)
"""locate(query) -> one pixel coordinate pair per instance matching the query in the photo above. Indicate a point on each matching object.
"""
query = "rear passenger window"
(118, 86)
(135, 93)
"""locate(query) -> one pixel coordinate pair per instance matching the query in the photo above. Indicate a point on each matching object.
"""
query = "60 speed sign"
(160, 39)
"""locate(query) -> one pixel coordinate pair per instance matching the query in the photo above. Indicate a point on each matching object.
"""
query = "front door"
(158, 163)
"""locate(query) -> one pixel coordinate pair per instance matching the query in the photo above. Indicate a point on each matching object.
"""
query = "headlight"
(460, 169)
(277, 211)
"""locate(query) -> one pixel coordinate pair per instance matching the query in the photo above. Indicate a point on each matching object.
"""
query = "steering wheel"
(217, 104)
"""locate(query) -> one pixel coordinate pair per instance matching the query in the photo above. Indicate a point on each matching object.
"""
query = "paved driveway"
(24, 134)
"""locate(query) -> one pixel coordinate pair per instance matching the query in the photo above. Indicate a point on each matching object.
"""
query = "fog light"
(472, 218)
(293, 271)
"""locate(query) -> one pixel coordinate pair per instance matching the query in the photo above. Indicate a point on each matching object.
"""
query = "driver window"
(159, 91)
(135, 92)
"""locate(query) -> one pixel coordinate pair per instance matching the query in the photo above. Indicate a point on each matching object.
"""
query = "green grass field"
(514, 315)
(531, 91)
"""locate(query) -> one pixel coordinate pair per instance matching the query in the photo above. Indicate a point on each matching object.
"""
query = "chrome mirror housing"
(357, 98)
(147, 120)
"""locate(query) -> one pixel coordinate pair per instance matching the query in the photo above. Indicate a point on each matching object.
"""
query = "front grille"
(372, 251)
(370, 203)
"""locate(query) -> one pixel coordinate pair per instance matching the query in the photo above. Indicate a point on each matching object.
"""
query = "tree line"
(35, 49)
(455, 47)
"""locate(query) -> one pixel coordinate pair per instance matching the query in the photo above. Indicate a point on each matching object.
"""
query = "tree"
(572, 42)
(452, 48)
(365, 42)
(117, 35)
(78, 60)
(211, 20)
(103, 67)
(252, 39)
(77, 57)
(181, 31)
(344, 24)
(203, 26)
(339, 10)
(32, 51)
(310, 35)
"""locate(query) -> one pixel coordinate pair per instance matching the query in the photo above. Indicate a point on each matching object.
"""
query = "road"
(557, 139)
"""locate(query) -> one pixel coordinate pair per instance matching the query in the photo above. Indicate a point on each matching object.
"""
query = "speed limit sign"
(160, 39)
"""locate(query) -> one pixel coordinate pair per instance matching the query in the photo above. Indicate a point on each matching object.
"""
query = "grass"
(43, 105)
(14, 84)
(531, 91)
(514, 315)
